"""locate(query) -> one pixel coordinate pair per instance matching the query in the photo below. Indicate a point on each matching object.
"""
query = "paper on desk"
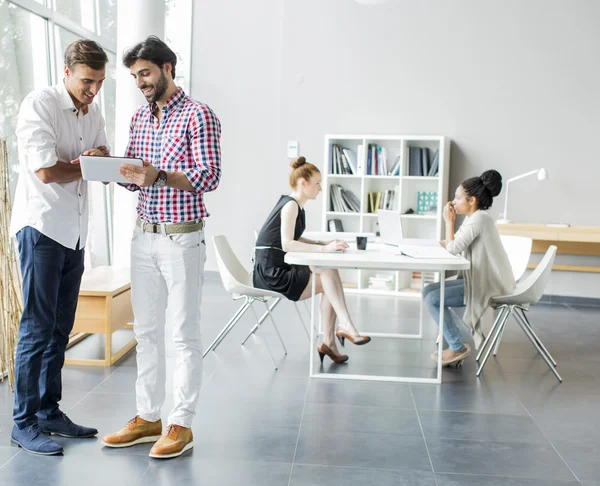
(421, 251)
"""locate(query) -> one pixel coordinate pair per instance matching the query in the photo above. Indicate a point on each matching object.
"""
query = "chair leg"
(533, 340)
(276, 329)
(263, 337)
(536, 337)
(492, 344)
(491, 333)
(262, 319)
(232, 322)
(301, 320)
(499, 339)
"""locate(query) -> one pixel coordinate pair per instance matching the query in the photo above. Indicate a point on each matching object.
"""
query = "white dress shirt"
(51, 130)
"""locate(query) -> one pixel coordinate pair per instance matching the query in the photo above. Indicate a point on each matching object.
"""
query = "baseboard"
(570, 300)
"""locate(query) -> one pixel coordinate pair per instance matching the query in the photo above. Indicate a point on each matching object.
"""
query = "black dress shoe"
(63, 426)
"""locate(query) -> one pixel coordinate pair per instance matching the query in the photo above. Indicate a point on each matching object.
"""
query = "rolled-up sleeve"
(36, 135)
(463, 238)
(205, 139)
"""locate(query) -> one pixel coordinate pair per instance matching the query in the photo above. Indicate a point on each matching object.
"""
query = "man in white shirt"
(50, 217)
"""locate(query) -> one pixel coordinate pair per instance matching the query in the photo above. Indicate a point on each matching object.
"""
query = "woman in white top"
(490, 274)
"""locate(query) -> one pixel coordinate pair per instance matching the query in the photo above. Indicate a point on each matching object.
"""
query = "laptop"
(390, 227)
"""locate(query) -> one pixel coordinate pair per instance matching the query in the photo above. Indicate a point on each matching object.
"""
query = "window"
(24, 66)
(178, 36)
(80, 11)
(107, 18)
(28, 47)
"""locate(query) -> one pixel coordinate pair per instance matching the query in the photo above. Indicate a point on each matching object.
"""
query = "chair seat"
(241, 290)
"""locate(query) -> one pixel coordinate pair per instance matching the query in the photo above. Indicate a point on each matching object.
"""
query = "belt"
(171, 228)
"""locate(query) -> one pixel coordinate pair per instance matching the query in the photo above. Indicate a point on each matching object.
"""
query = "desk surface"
(105, 281)
(375, 258)
(580, 234)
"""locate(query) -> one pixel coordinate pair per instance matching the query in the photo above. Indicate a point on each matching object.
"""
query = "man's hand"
(141, 176)
(104, 151)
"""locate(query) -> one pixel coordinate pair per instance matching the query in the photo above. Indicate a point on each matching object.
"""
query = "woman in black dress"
(281, 233)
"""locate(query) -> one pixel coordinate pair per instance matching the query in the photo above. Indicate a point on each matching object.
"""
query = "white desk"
(376, 258)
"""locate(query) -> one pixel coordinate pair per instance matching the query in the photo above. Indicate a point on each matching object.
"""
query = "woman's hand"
(335, 245)
(449, 213)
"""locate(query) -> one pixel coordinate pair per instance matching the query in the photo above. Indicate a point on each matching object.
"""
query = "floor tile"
(359, 419)
(475, 480)
(480, 426)
(362, 450)
(304, 475)
(496, 458)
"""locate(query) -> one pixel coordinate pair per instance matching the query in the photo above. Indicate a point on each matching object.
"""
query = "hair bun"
(299, 162)
(492, 180)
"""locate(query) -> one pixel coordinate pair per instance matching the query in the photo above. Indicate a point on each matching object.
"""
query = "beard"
(159, 89)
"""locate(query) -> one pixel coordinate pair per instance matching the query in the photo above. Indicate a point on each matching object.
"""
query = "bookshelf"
(361, 171)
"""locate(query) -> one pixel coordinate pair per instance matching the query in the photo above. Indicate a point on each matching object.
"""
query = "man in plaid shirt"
(178, 139)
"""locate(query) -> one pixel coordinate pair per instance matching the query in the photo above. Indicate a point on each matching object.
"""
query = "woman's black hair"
(484, 188)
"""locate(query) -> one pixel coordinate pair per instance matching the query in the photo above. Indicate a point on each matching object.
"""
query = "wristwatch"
(161, 179)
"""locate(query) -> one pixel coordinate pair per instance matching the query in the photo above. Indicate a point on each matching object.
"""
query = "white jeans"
(167, 272)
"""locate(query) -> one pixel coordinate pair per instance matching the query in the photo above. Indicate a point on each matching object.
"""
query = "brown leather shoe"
(137, 431)
(174, 442)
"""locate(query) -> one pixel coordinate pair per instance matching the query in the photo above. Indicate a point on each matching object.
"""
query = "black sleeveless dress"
(270, 270)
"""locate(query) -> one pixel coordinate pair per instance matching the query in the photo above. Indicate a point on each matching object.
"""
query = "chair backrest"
(233, 273)
(530, 290)
(518, 249)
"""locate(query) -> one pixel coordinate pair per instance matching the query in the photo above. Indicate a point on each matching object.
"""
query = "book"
(433, 170)
(427, 202)
(351, 158)
(424, 161)
(414, 161)
(335, 226)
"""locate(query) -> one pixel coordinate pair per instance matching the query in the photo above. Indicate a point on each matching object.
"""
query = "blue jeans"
(454, 296)
(51, 278)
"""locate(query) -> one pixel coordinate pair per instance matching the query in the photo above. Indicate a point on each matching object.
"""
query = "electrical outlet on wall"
(292, 149)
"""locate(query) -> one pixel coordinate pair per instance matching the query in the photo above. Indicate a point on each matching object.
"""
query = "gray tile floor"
(255, 426)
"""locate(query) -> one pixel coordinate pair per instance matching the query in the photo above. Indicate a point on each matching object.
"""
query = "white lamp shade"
(542, 174)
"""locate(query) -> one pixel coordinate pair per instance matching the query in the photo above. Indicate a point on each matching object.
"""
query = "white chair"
(518, 249)
(237, 281)
(528, 292)
(253, 330)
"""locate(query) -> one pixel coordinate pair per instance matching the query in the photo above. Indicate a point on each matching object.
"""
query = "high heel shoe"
(326, 350)
(343, 335)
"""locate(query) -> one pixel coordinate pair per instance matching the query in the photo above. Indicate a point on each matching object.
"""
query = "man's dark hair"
(153, 50)
(87, 52)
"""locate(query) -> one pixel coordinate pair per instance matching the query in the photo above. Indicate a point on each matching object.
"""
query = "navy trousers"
(51, 279)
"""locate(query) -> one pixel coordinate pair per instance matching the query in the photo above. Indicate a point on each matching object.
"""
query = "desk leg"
(312, 323)
(422, 305)
(441, 326)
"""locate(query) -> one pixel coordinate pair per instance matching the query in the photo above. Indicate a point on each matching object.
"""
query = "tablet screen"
(105, 169)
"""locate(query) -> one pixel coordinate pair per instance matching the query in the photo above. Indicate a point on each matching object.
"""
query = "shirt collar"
(66, 102)
(172, 102)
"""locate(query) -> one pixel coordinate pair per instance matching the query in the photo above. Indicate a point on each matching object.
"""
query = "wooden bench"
(104, 306)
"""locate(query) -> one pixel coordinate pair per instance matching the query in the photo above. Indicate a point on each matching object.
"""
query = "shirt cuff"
(195, 178)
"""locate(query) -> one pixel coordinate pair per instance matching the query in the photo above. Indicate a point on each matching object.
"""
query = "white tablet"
(105, 169)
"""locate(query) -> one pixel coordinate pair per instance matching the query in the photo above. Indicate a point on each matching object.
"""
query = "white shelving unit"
(406, 189)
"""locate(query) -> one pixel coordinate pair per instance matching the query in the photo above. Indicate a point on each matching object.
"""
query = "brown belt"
(171, 228)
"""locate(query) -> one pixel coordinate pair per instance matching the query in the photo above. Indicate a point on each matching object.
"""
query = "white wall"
(512, 83)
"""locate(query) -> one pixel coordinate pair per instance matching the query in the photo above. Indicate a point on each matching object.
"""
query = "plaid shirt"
(187, 139)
